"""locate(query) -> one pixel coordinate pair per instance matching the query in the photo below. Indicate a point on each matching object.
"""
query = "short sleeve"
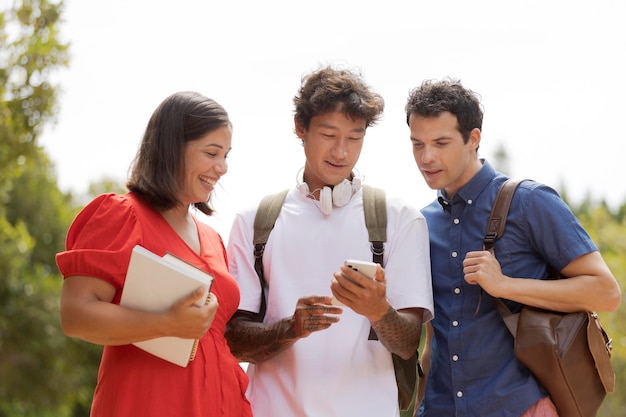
(556, 232)
(100, 240)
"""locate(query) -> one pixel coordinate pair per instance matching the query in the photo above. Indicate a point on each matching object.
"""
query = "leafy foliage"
(44, 373)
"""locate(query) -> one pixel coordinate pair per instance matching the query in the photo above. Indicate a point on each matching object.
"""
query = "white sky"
(550, 73)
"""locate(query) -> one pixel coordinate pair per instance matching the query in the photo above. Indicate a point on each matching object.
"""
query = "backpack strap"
(375, 209)
(264, 221)
(406, 370)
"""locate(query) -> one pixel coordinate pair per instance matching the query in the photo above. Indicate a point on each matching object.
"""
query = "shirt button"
(454, 254)
(457, 291)
(469, 201)
(455, 358)
(459, 394)
(455, 323)
(456, 221)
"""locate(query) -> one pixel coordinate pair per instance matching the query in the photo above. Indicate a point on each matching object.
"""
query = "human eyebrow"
(215, 145)
(442, 139)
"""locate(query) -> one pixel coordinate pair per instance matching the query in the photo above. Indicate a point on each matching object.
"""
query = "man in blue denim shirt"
(473, 370)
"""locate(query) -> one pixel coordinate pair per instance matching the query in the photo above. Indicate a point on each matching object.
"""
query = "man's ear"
(474, 138)
(299, 129)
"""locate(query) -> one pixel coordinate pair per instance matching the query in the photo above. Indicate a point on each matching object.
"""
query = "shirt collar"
(470, 191)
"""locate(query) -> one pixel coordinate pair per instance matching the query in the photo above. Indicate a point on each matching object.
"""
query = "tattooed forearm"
(252, 341)
(399, 331)
(255, 342)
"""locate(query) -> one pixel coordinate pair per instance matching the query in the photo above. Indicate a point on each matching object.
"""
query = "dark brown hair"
(329, 89)
(157, 167)
(435, 97)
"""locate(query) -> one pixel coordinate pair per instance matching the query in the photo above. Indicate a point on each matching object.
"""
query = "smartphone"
(366, 268)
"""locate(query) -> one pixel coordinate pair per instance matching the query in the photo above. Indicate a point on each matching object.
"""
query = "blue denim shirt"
(474, 372)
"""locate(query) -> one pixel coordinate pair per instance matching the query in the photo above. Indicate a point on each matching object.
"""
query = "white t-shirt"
(338, 371)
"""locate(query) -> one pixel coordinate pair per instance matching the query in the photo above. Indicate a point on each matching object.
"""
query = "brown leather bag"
(569, 353)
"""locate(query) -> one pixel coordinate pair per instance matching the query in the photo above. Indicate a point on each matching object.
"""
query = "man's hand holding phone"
(356, 284)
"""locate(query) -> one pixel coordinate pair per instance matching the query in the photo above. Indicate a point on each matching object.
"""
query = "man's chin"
(432, 182)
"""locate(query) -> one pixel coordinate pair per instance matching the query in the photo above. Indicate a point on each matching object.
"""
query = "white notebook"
(154, 283)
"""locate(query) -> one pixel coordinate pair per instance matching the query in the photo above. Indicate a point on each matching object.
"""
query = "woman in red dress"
(181, 158)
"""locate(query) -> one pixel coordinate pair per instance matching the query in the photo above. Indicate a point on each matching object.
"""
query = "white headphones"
(338, 196)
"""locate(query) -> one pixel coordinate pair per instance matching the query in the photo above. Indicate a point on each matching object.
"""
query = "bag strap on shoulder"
(264, 221)
(375, 210)
(266, 216)
(499, 212)
(495, 230)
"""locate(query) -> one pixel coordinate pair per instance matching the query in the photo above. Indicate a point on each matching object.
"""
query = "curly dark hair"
(329, 89)
(435, 97)
(156, 170)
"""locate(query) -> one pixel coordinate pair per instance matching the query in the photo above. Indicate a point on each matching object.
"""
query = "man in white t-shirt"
(310, 355)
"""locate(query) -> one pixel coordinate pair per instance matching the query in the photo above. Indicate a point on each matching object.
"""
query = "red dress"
(132, 382)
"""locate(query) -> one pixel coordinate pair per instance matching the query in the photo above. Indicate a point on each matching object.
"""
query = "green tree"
(43, 372)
